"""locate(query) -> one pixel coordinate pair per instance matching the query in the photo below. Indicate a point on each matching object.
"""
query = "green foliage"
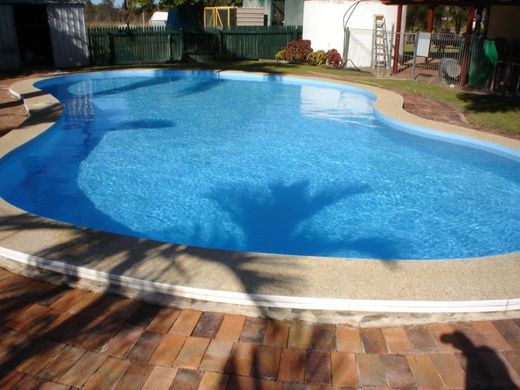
(416, 17)
(296, 52)
(104, 12)
(204, 3)
(280, 56)
(446, 18)
(147, 5)
(317, 58)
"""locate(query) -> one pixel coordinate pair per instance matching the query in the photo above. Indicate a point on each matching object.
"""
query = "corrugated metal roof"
(68, 35)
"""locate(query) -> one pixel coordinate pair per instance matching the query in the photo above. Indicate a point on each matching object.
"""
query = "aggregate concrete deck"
(441, 283)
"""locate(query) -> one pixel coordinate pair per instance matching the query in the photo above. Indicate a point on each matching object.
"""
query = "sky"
(117, 2)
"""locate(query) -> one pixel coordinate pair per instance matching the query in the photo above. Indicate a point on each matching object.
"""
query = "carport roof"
(474, 3)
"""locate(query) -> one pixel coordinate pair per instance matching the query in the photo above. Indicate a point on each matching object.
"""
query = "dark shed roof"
(6, 2)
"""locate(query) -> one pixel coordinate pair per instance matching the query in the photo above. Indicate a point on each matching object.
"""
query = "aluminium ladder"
(380, 43)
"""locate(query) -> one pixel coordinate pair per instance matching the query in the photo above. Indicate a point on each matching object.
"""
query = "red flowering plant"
(333, 58)
(297, 51)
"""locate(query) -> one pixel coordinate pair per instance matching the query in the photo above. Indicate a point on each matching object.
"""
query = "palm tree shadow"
(276, 219)
(484, 368)
(247, 208)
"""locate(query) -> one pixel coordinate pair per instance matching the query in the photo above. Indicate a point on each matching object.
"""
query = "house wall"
(68, 35)
(9, 53)
(323, 20)
(267, 5)
(504, 22)
(250, 17)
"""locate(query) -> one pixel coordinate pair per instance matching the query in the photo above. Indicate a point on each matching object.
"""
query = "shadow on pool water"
(273, 223)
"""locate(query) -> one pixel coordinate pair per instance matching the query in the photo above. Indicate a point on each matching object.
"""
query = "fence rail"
(140, 45)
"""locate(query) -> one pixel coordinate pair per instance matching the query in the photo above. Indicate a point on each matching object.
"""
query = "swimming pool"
(261, 163)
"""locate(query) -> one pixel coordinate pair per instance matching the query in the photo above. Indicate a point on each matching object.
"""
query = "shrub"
(280, 56)
(297, 51)
(333, 58)
(317, 58)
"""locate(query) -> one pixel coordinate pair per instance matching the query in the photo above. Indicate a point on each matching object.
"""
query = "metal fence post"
(391, 47)
(346, 42)
(415, 55)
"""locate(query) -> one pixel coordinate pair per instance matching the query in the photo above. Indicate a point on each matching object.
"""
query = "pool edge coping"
(386, 101)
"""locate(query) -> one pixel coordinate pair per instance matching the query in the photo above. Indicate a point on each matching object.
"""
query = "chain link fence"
(483, 65)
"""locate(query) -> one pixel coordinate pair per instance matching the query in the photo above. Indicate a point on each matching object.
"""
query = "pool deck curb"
(144, 268)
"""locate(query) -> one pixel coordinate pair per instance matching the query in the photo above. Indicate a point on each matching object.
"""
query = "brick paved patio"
(52, 337)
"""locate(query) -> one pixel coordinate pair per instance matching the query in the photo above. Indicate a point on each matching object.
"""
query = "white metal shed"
(42, 33)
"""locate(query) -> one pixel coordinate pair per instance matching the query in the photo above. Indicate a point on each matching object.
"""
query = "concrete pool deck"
(250, 282)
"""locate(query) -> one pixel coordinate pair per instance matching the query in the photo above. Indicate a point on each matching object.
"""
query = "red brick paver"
(192, 352)
(231, 328)
(113, 342)
(168, 350)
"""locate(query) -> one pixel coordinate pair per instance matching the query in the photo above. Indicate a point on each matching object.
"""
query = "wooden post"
(486, 20)
(469, 20)
(478, 20)
(397, 43)
(431, 10)
(467, 47)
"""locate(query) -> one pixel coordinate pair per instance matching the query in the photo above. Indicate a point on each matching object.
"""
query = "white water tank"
(158, 18)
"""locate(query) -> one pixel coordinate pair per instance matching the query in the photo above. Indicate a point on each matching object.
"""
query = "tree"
(108, 10)
(140, 7)
(90, 12)
(458, 16)
(452, 16)
(416, 17)
(203, 3)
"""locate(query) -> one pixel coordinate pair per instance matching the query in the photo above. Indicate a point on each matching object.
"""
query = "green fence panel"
(252, 42)
(140, 45)
(99, 48)
(141, 48)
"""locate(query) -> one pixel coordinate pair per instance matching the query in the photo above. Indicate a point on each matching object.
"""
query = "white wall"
(323, 20)
(504, 22)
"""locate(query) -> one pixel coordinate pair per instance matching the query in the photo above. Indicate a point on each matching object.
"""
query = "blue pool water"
(261, 163)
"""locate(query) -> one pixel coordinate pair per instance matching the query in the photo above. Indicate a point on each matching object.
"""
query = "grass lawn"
(487, 112)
